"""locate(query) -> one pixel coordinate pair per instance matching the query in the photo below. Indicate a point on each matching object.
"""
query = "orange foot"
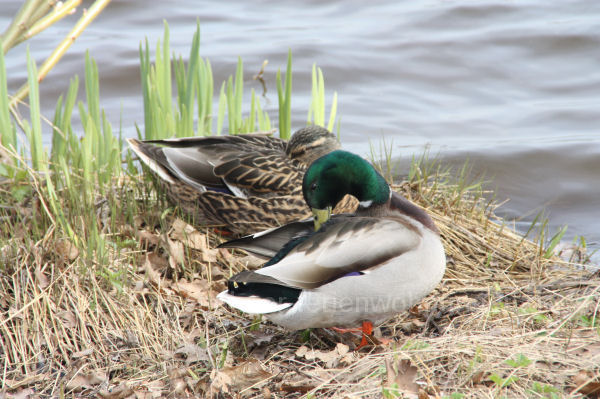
(339, 330)
(366, 332)
(222, 232)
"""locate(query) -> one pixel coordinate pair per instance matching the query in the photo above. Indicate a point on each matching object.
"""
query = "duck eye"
(313, 186)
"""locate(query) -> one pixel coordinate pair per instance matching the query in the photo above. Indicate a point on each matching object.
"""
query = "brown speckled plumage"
(244, 183)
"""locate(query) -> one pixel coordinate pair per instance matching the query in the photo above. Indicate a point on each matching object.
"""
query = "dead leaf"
(85, 381)
(23, 394)
(175, 251)
(151, 390)
(68, 318)
(147, 238)
(301, 389)
(216, 272)
(153, 275)
(120, 392)
(587, 383)
(41, 279)
(82, 353)
(199, 291)
(330, 358)
(258, 338)
(301, 351)
(237, 378)
(178, 385)
(401, 377)
(422, 394)
(477, 378)
(251, 262)
(192, 353)
(179, 229)
(189, 236)
(66, 250)
(158, 262)
(226, 255)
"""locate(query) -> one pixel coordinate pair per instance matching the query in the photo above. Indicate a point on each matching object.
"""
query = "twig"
(60, 50)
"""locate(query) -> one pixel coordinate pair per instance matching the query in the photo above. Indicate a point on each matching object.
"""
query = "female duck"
(359, 268)
(244, 183)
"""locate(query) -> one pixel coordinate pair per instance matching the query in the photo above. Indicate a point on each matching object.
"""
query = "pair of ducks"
(336, 270)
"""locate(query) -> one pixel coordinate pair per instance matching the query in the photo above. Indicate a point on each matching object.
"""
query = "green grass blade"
(284, 93)
(8, 130)
(288, 96)
(554, 242)
(231, 113)
(239, 93)
(38, 160)
(222, 106)
(92, 88)
(332, 113)
(145, 80)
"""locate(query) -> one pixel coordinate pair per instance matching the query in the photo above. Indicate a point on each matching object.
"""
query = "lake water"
(512, 86)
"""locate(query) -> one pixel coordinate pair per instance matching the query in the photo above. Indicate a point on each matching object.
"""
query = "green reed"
(79, 174)
(317, 110)
(192, 112)
(8, 131)
(284, 96)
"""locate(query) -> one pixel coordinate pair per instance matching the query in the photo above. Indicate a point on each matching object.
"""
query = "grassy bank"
(105, 289)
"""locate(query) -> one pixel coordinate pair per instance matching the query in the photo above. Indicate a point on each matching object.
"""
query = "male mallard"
(244, 183)
(362, 267)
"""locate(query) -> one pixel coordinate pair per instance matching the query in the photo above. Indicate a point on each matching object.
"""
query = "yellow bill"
(321, 216)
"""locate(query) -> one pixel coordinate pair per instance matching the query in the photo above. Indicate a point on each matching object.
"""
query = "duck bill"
(321, 216)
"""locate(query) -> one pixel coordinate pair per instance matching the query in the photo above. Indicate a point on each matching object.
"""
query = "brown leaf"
(120, 392)
(423, 394)
(251, 262)
(151, 390)
(82, 353)
(330, 358)
(236, 378)
(23, 394)
(216, 272)
(189, 236)
(477, 377)
(199, 291)
(258, 338)
(153, 275)
(66, 250)
(68, 318)
(226, 255)
(587, 383)
(41, 279)
(158, 262)
(403, 375)
(179, 229)
(85, 381)
(192, 353)
(301, 388)
(175, 251)
(147, 238)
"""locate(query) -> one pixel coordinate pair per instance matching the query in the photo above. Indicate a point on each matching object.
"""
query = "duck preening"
(244, 183)
(356, 268)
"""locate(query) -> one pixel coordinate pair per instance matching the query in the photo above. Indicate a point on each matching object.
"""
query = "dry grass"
(143, 321)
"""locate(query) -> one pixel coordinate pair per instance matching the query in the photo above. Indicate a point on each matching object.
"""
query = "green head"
(338, 173)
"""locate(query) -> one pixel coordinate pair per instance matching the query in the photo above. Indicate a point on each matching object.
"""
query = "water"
(512, 86)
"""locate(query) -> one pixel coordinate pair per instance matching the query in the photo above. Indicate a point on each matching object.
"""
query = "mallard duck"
(357, 268)
(245, 183)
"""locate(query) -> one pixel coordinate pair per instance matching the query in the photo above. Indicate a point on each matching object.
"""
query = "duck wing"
(259, 173)
(268, 243)
(345, 245)
(193, 160)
